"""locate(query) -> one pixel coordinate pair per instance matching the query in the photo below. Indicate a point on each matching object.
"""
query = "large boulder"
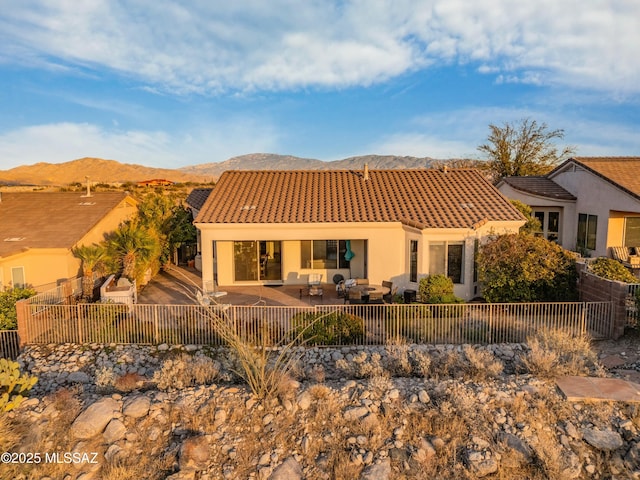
(94, 419)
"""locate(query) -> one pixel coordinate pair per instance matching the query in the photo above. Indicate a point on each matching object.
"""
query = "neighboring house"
(39, 229)
(278, 227)
(156, 182)
(586, 204)
(195, 201)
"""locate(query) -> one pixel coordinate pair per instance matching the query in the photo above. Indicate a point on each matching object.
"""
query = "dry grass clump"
(185, 371)
(553, 353)
(128, 382)
(405, 361)
(481, 363)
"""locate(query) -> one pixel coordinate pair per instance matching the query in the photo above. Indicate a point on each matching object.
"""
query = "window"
(447, 258)
(587, 230)
(413, 261)
(17, 277)
(323, 254)
(632, 232)
(550, 223)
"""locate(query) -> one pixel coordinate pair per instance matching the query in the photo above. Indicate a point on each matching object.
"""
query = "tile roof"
(542, 186)
(197, 197)
(50, 219)
(457, 198)
(623, 172)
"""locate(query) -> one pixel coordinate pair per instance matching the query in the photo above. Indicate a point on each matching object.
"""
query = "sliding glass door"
(257, 260)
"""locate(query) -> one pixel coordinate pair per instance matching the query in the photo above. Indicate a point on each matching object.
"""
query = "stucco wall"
(387, 250)
(596, 196)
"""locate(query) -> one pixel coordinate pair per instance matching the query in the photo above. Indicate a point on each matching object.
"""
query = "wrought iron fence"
(632, 303)
(320, 325)
(9, 344)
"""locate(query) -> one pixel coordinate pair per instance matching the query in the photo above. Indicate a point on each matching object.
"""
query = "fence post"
(156, 326)
(24, 319)
(79, 315)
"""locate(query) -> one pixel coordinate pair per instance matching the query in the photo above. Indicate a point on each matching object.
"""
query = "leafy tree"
(171, 222)
(525, 148)
(92, 257)
(181, 228)
(532, 225)
(526, 268)
(8, 299)
(134, 247)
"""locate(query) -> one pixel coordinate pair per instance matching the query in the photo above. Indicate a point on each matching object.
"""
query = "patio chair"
(341, 289)
(314, 279)
(622, 255)
(388, 298)
(354, 297)
(211, 290)
(375, 297)
(362, 281)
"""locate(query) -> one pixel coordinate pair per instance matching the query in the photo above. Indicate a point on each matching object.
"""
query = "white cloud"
(61, 142)
(215, 46)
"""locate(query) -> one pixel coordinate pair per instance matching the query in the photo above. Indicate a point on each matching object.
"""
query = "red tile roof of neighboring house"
(542, 186)
(457, 198)
(623, 172)
(51, 219)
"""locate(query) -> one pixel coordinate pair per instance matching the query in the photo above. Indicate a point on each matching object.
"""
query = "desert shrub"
(13, 384)
(8, 299)
(481, 363)
(185, 371)
(437, 289)
(335, 328)
(554, 353)
(525, 268)
(611, 270)
(404, 361)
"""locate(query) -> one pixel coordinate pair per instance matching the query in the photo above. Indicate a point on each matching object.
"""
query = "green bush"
(611, 270)
(8, 299)
(437, 289)
(329, 328)
(525, 268)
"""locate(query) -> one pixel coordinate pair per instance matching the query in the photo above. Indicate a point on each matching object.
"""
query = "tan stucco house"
(586, 204)
(278, 227)
(39, 229)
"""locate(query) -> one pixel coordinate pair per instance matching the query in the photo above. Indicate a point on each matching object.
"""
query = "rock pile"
(381, 426)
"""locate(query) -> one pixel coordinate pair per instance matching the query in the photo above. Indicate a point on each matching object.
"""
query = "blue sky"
(169, 84)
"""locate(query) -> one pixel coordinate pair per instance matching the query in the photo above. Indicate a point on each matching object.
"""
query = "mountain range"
(111, 171)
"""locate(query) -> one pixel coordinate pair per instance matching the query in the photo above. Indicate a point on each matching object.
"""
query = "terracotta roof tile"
(542, 186)
(459, 198)
(50, 219)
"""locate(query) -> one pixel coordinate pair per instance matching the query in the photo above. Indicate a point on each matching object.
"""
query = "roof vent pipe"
(366, 171)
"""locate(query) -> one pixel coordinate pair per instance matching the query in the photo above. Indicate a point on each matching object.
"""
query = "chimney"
(366, 172)
(445, 169)
(88, 187)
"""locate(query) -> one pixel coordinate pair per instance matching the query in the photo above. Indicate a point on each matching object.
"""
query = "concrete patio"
(178, 287)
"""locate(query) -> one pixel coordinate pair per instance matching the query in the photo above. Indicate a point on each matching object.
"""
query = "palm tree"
(92, 257)
(134, 247)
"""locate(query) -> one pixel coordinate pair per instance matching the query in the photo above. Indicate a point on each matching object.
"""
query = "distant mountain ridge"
(112, 171)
